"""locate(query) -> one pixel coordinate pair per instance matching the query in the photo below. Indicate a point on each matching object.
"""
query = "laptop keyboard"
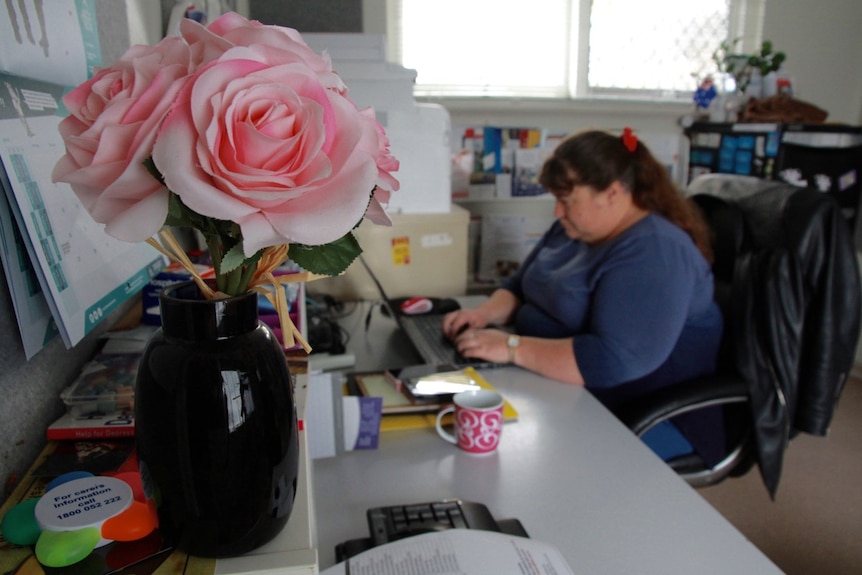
(426, 333)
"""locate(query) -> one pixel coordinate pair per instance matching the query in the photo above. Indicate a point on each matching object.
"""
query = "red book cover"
(115, 425)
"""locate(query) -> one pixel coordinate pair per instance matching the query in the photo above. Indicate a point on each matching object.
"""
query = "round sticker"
(85, 502)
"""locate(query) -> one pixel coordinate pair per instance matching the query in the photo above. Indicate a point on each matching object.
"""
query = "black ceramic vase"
(215, 425)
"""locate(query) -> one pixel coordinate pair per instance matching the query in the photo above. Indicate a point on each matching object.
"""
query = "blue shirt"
(639, 307)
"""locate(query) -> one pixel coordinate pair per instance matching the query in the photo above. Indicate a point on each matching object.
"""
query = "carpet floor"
(814, 525)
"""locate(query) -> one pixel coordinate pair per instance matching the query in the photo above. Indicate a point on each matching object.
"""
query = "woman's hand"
(498, 309)
(553, 358)
(486, 344)
(457, 322)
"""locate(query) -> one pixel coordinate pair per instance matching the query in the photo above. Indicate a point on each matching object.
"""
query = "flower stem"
(214, 247)
(236, 281)
(245, 277)
(225, 283)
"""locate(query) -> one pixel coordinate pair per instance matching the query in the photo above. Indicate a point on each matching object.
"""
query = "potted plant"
(742, 67)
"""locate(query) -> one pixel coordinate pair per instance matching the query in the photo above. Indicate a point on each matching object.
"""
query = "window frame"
(745, 23)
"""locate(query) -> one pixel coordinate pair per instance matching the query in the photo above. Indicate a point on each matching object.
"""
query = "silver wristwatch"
(513, 342)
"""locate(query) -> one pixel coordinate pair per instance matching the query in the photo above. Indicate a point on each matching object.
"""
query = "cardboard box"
(420, 254)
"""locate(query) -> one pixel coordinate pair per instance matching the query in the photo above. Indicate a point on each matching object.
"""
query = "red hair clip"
(630, 141)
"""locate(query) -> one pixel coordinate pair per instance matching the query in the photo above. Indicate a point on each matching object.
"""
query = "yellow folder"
(380, 386)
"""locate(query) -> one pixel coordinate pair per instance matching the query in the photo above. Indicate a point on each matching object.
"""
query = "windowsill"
(508, 199)
(675, 108)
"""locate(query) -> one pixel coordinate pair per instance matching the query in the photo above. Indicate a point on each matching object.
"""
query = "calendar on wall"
(65, 275)
(83, 274)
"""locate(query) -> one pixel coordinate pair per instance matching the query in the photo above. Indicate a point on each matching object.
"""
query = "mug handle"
(440, 431)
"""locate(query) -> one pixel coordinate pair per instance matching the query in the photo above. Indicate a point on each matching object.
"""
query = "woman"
(618, 294)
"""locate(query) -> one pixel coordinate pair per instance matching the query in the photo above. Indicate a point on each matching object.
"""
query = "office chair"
(787, 282)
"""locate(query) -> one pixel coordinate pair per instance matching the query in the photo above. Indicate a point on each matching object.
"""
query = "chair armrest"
(642, 414)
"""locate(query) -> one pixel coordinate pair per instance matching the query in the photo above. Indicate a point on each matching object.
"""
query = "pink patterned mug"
(478, 420)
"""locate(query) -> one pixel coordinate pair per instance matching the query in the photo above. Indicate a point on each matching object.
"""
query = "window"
(565, 48)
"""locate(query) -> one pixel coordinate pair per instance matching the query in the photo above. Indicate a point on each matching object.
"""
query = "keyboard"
(398, 521)
(394, 522)
(426, 334)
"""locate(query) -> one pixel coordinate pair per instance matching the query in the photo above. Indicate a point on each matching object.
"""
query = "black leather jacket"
(796, 300)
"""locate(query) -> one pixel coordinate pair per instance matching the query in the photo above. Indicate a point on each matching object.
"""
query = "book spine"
(64, 433)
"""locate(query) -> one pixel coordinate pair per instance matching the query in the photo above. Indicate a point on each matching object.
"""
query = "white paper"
(458, 552)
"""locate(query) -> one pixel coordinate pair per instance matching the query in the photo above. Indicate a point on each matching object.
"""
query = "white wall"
(823, 43)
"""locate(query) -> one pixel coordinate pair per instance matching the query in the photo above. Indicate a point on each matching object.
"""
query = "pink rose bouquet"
(238, 130)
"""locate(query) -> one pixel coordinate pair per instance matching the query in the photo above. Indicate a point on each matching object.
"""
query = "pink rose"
(232, 29)
(110, 131)
(258, 139)
(386, 182)
(244, 122)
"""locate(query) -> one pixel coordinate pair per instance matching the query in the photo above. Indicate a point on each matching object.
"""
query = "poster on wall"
(506, 239)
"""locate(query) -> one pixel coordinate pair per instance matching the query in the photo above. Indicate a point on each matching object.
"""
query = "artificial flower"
(110, 132)
(238, 130)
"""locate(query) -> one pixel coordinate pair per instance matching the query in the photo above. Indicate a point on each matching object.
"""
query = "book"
(528, 166)
(114, 425)
(395, 398)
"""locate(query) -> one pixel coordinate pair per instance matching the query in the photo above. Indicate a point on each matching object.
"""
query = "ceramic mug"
(478, 420)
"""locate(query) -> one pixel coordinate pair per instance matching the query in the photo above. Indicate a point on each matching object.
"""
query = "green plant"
(742, 66)
(725, 58)
(768, 60)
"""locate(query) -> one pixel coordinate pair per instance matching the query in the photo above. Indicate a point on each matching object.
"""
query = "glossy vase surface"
(216, 425)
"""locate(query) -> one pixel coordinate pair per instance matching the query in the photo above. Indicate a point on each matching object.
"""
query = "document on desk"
(457, 552)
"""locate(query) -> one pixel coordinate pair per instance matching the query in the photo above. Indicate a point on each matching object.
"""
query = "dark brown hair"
(597, 159)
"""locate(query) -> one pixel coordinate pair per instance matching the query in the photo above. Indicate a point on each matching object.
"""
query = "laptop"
(425, 331)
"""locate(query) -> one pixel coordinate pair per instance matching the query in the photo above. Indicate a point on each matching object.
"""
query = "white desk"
(568, 469)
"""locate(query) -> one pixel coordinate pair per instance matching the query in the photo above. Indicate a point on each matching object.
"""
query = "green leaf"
(232, 259)
(330, 259)
(176, 213)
